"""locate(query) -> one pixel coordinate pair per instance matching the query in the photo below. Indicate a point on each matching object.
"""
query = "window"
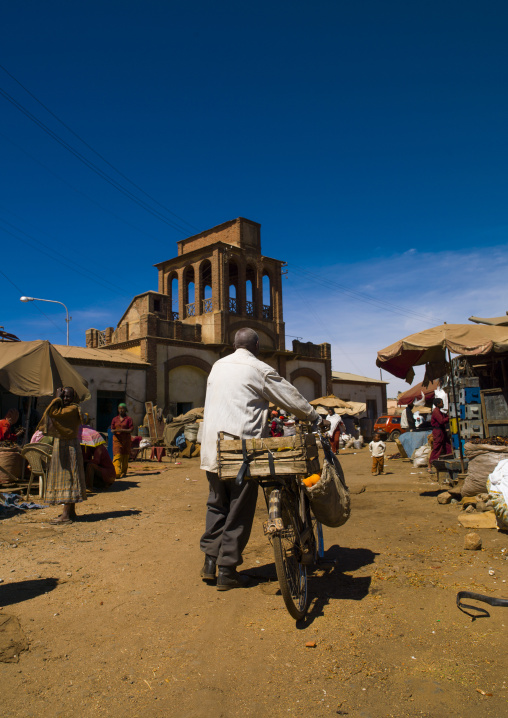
(382, 420)
(156, 305)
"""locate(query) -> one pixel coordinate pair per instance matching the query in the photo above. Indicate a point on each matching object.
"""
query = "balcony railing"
(175, 316)
(207, 305)
(267, 312)
(250, 309)
(190, 310)
(233, 305)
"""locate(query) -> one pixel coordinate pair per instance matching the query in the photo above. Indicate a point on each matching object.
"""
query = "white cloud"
(445, 286)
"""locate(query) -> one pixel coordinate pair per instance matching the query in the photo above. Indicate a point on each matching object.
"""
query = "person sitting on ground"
(122, 427)
(439, 422)
(6, 424)
(377, 450)
(66, 474)
(407, 420)
(99, 469)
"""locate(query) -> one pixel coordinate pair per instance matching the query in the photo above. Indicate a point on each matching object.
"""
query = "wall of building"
(306, 387)
(316, 374)
(359, 392)
(166, 384)
(130, 381)
(187, 384)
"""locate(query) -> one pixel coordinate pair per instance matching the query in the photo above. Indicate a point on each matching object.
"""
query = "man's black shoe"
(230, 578)
(208, 570)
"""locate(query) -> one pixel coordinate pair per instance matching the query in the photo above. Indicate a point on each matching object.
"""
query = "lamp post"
(53, 301)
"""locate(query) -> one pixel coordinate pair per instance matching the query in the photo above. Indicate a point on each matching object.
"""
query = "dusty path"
(116, 621)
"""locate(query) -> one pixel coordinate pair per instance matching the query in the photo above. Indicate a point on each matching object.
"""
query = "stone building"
(353, 387)
(218, 282)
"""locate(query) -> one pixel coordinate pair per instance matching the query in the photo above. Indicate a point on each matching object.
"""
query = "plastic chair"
(38, 456)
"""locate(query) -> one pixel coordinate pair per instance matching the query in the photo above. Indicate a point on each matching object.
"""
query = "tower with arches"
(220, 280)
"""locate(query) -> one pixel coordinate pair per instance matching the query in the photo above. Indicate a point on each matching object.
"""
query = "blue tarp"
(412, 440)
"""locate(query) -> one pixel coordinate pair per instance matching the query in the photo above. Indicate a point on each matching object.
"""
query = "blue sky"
(368, 138)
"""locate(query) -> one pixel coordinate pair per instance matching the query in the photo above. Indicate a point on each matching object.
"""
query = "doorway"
(107, 408)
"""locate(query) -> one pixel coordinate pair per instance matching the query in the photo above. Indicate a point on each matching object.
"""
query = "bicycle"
(295, 534)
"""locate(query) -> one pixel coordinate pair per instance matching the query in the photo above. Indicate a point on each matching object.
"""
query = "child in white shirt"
(377, 450)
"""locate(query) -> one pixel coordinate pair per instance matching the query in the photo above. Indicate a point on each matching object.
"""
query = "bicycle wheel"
(291, 573)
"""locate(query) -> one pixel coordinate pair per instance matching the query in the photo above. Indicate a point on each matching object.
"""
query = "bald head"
(247, 339)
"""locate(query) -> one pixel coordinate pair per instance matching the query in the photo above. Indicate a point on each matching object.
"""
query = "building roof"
(346, 376)
(103, 356)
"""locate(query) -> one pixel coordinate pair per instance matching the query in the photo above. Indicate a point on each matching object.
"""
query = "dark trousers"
(229, 517)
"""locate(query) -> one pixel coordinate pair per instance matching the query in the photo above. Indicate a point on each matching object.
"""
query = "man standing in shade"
(121, 427)
(239, 389)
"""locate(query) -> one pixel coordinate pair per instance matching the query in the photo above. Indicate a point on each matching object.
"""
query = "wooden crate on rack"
(291, 455)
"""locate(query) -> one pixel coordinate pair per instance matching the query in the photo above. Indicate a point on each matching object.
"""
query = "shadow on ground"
(19, 591)
(122, 485)
(328, 581)
(91, 518)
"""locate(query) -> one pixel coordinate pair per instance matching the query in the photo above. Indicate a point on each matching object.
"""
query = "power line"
(386, 306)
(58, 257)
(78, 191)
(91, 165)
(95, 151)
(36, 305)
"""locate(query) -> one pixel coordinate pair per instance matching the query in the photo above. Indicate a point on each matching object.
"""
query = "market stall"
(479, 346)
(34, 369)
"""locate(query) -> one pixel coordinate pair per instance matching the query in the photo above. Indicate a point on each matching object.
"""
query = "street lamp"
(53, 301)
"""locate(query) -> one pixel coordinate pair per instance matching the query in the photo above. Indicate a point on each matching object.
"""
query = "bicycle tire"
(292, 575)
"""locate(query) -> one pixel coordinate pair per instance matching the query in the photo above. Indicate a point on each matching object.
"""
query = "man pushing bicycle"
(239, 389)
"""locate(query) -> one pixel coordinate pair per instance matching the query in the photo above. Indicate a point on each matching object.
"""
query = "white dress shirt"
(237, 394)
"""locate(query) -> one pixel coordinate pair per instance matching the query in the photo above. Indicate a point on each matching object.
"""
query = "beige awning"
(37, 369)
(428, 347)
(344, 408)
(492, 321)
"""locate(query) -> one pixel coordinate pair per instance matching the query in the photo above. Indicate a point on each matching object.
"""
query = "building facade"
(353, 387)
(219, 282)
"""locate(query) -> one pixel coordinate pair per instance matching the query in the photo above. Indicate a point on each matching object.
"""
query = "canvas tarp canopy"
(37, 369)
(345, 408)
(428, 347)
(493, 321)
(416, 393)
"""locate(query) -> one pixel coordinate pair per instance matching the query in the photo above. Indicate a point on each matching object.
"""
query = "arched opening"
(250, 283)
(172, 291)
(267, 297)
(233, 287)
(186, 388)
(206, 286)
(189, 292)
(306, 387)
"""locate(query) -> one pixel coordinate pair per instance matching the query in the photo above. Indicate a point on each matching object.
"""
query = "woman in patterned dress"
(66, 475)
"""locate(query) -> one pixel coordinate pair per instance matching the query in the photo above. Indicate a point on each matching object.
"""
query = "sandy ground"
(108, 616)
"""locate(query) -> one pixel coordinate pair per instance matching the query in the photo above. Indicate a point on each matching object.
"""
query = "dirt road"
(108, 616)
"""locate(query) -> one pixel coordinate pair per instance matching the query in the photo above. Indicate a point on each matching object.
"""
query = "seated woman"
(6, 424)
(99, 469)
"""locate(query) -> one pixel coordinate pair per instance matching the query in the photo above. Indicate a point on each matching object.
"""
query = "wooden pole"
(458, 419)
